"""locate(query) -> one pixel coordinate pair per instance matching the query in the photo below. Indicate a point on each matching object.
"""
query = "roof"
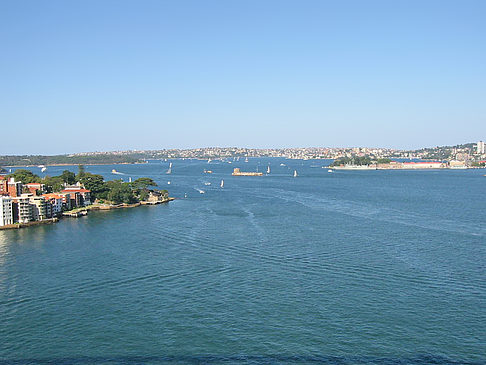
(52, 196)
(76, 191)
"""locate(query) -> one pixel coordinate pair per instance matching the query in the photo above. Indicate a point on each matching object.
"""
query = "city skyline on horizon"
(142, 150)
(124, 75)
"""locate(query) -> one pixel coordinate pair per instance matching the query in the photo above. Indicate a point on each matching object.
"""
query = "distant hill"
(34, 160)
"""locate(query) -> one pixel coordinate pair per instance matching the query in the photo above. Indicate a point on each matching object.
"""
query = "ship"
(237, 172)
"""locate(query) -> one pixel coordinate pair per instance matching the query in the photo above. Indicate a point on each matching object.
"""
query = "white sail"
(222, 183)
(169, 171)
(295, 173)
(268, 169)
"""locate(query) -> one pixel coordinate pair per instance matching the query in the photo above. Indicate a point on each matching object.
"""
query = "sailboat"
(268, 169)
(222, 183)
(246, 159)
(295, 173)
(169, 171)
(44, 169)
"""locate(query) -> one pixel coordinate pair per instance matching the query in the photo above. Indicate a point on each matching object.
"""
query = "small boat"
(330, 171)
(40, 166)
(200, 191)
(129, 179)
(222, 183)
(282, 164)
(185, 195)
(295, 173)
(116, 172)
(246, 159)
(208, 172)
(268, 169)
(43, 169)
(169, 171)
(207, 183)
(168, 182)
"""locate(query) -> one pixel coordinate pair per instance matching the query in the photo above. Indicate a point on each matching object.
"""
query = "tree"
(383, 160)
(81, 172)
(68, 177)
(120, 192)
(25, 176)
(94, 183)
(143, 183)
(53, 183)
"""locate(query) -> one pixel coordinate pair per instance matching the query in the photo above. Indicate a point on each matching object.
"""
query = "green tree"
(25, 176)
(143, 183)
(53, 183)
(68, 177)
(94, 183)
(120, 192)
(383, 160)
(81, 172)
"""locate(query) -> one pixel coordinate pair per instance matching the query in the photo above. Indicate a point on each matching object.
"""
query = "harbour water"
(350, 267)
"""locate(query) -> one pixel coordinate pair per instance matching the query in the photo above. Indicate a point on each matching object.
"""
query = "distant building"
(66, 200)
(79, 194)
(35, 188)
(22, 209)
(6, 212)
(423, 165)
(3, 185)
(14, 188)
(55, 203)
(481, 148)
(40, 210)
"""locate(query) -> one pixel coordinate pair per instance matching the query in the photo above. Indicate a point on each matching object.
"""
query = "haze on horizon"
(118, 75)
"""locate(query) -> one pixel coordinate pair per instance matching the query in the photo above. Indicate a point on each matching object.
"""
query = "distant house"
(56, 203)
(79, 195)
(35, 188)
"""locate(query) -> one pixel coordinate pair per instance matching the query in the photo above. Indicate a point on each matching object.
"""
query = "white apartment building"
(6, 213)
(480, 148)
(24, 209)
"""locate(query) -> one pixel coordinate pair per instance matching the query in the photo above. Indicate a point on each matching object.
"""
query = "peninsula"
(27, 199)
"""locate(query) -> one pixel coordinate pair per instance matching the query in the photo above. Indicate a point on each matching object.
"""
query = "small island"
(27, 199)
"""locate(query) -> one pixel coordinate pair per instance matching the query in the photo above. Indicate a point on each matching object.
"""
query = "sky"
(102, 75)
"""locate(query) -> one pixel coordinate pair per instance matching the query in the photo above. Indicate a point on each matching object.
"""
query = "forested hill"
(34, 160)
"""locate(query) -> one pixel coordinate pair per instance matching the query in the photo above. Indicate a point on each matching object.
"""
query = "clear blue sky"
(97, 75)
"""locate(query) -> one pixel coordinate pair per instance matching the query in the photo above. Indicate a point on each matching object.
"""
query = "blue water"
(357, 267)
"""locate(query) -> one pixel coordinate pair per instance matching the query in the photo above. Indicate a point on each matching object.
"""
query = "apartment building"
(6, 211)
(40, 209)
